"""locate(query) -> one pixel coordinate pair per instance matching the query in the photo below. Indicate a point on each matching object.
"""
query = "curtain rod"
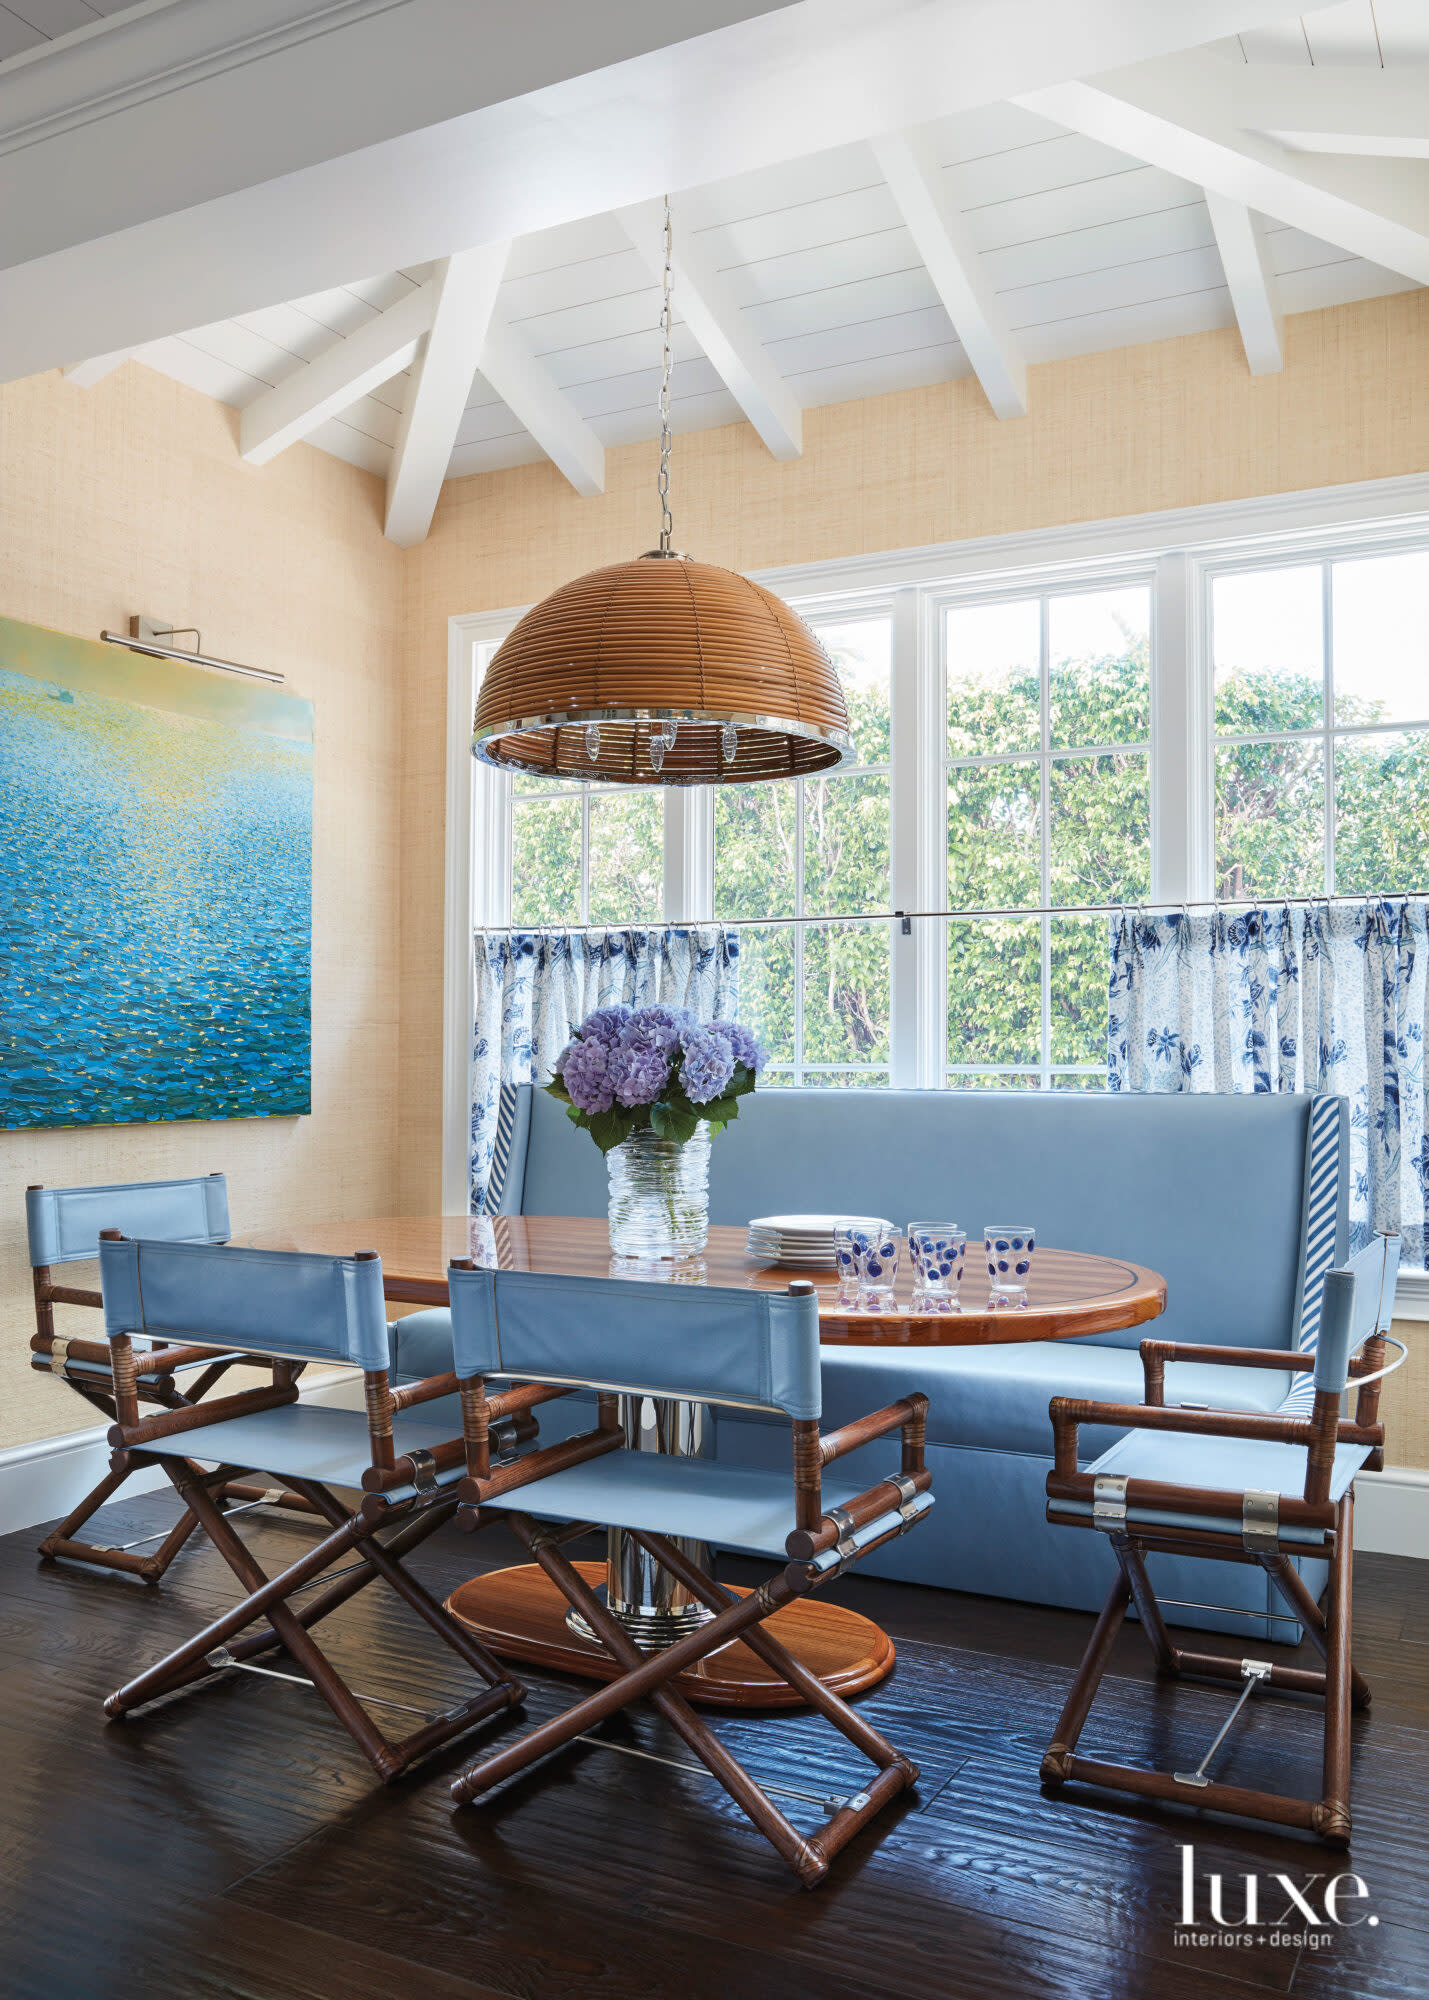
(906, 917)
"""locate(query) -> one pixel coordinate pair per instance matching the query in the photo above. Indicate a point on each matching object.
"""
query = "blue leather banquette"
(1239, 1202)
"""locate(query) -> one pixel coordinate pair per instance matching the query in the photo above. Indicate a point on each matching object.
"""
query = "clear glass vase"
(659, 1195)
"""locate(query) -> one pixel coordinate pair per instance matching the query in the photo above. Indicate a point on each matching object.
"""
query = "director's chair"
(731, 1347)
(62, 1226)
(404, 1454)
(1235, 1487)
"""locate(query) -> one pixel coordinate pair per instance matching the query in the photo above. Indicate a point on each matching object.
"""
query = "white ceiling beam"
(84, 374)
(553, 420)
(465, 289)
(1379, 112)
(1240, 239)
(944, 242)
(709, 309)
(223, 177)
(1178, 115)
(334, 379)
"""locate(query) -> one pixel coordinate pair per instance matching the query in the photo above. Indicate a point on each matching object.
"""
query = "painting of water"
(156, 828)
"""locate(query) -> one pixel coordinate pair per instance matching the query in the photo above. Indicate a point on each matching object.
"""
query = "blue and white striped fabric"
(1322, 1205)
(534, 987)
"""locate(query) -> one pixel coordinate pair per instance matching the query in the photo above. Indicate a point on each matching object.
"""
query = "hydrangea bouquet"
(628, 1069)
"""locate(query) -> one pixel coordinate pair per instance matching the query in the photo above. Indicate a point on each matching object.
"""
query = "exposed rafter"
(1382, 112)
(1240, 239)
(84, 374)
(464, 301)
(708, 307)
(1179, 115)
(337, 377)
(942, 239)
(553, 420)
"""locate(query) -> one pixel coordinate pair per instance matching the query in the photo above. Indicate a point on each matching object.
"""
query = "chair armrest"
(909, 1415)
(886, 1497)
(427, 1391)
(1067, 1413)
(1156, 1353)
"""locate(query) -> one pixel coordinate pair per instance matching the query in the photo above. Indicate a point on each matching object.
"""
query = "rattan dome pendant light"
(662, 671)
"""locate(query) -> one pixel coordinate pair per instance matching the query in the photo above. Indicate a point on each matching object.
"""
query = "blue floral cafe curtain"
(533, 988)
(1326, 996)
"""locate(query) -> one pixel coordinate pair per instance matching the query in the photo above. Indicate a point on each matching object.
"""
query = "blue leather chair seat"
(313, 1441)
(1227, 1465)
(738, 1506)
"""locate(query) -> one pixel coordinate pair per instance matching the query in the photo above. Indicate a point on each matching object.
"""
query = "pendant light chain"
(667, 523)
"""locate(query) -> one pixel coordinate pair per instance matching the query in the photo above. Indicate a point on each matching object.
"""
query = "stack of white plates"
(804, 1241)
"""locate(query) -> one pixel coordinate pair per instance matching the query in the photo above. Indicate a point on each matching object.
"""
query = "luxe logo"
(1273, 1909)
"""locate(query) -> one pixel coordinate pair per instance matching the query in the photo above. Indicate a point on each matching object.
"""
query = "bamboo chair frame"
(648, 1675)
(265, 1617)
(1341, 1686)
(156, 1384)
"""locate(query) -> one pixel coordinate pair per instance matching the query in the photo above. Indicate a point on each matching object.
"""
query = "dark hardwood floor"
(234, 1843)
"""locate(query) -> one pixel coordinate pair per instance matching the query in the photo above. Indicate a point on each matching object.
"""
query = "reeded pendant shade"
(590, 682)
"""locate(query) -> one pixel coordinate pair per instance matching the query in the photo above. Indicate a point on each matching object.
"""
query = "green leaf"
(670, 1122)
(741, 1083)
(576, 1117)
(607, 1128)
(555, 1088)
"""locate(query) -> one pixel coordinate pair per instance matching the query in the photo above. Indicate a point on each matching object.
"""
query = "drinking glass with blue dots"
(1009, 1248)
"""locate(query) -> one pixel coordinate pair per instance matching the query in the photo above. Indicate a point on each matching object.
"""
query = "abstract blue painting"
(156, 831)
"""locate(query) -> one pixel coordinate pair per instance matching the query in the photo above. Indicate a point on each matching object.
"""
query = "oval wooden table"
(518, 1611)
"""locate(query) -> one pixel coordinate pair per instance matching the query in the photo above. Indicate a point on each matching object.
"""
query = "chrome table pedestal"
(654, 1609)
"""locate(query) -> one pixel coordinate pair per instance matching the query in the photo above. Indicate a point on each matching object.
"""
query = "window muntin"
(586, 854)
(1048, 788)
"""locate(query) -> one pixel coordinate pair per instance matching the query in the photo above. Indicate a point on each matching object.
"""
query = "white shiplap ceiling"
(1084, 246)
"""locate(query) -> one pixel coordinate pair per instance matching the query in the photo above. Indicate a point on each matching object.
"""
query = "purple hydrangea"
(743, 1046)
(638, 1070)
(708, 1064)
(585, 1072)
(658, 1027)
(605, 1025)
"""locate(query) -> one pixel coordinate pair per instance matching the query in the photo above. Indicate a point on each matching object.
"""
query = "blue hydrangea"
(742, 1044)
(605, 1025)
(586, 1075)
(638, 1070)
(708, 1064)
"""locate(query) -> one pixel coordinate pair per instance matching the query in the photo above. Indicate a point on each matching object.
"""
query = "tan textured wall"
(1404, 1401)
(1174, 424)
(129, 497)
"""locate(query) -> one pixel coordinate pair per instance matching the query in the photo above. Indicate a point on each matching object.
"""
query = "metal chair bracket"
(424, 1470)
(906, 1486)
(504, 1445)
(1260, 1522)
(59, 1353)
(1253, 1672)
(1109, 1502)
(844, 1548)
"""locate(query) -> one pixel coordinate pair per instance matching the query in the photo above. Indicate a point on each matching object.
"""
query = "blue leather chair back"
(280, 1302)
(712, 1343)
(1217, 1193)
(64, 1223)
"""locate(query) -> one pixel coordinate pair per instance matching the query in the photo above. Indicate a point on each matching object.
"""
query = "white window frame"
(1182, 550)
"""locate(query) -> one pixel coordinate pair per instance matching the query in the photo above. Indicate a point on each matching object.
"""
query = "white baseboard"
(1392, 1512)
(44, 1480)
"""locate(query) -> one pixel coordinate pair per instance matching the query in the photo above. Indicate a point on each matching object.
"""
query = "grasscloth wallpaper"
(130, 496)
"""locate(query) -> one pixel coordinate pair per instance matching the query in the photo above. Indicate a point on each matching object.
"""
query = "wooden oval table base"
(521, 1615)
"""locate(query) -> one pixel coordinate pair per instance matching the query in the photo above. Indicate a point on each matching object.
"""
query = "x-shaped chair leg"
(210, 1649)
(1339, 1684)
(648, 1674)
(61, 1541)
